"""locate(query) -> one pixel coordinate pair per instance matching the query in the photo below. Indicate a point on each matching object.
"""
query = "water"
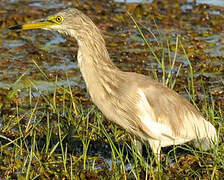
(56, 54)
(212, 2)
(135, 1)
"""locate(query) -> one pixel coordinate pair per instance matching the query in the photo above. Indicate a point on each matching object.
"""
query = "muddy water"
(42, 60)
(199, 25)
(214, 2)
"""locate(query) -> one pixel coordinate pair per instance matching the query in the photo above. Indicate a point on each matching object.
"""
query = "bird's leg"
(137, 145)
(156, 148)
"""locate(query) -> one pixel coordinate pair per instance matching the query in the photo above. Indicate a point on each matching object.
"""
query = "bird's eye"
(59, 19)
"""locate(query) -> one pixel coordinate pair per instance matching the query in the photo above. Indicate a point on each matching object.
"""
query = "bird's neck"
(97, 69)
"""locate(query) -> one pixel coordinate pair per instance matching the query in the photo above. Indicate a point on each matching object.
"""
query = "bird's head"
(70, 22)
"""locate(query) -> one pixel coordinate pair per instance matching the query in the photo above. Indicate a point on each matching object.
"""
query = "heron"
(144, 107)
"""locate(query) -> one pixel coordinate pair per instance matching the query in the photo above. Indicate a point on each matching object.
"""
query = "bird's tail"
(207, 139)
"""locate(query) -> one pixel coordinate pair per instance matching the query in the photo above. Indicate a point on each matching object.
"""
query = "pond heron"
(144, 107)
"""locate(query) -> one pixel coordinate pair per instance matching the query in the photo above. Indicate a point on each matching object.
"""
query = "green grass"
(53, 136)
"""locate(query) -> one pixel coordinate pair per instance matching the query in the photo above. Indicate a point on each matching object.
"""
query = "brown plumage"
(142, 106)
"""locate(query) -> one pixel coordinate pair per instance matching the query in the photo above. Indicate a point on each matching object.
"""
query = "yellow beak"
(33, 25)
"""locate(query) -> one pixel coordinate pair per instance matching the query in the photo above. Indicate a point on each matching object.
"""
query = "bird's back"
(160, 112)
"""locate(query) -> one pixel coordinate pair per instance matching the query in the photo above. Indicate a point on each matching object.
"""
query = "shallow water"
(212, 2)
(55, 57)
(27, 57)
